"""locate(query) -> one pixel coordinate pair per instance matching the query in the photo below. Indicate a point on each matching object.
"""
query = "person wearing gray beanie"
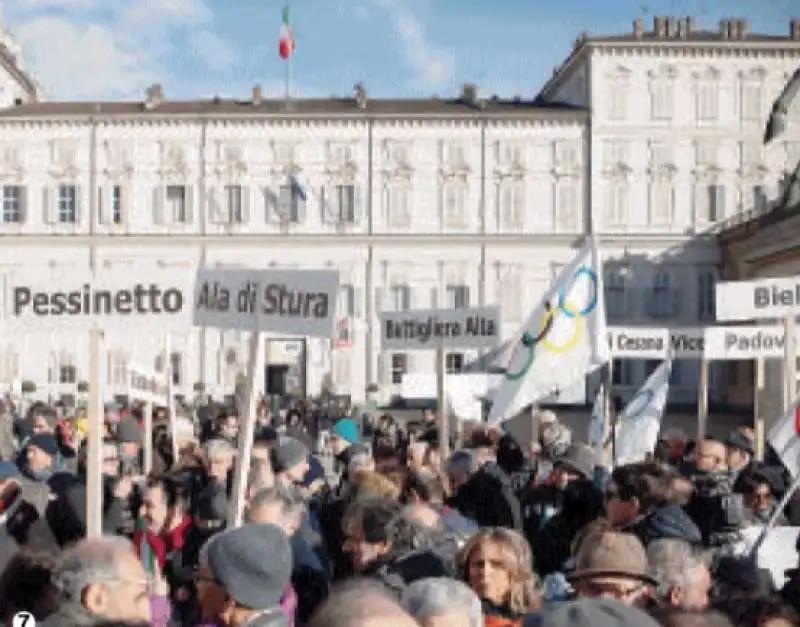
(289, 458)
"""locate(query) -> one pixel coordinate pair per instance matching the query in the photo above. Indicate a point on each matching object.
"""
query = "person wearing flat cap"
(242, 576)
(741, 449)
(289, 459)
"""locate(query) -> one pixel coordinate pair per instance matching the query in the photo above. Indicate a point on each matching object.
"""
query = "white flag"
(640, 422)
(784, 439)
(597, 428)
(562, 341)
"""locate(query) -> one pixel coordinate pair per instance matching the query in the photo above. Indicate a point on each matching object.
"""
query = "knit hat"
(45, 442)
(590, 613)
(212, 504)
(611, 554)
(287, 453)
(347, 430)
(128, 430)
(578, 459)
(253, 563)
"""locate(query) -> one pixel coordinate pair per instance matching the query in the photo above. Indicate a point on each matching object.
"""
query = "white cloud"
(96, 49)
(433, 65)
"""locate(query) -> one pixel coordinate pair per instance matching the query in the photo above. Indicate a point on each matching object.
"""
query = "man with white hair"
(443, 602)
(683, 577)
(100, 579)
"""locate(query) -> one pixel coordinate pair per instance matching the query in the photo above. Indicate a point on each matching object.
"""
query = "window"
(399, 367)
(234, 203)
(621, 372)
(618, 107)
(454, 201)
(616, 209)
(706, 153)
(706, 296)
(663, 302)
(616, 297)
(346, 303)
(291, 203)
(398, 205)
(650, 366)
(454, 155)
(512, 204)
(707, 101)
(175, 197)
(457, 296)
(454, 363)
(661, 100)
(567, 204)
(711, 203)
(615, 155)
(750, 104)
(400, 297)
(67, 373)
(176, 368)
(566, 156)
(12, 204)
(662, 203)
(760, 197)
(67, 204)
(344, 202)
(116, 204)
(118, 368)
(510, 153)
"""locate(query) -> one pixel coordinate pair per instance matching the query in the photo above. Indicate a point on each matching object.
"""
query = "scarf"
(153, 548)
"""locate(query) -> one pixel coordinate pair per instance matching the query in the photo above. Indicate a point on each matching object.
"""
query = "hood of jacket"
(668, 521)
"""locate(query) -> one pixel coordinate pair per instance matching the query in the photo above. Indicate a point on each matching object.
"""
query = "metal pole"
(94, 462)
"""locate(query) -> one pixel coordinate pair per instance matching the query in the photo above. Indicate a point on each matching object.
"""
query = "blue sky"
(113, 49)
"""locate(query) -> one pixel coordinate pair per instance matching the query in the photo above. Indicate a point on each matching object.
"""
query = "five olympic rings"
(566, 307)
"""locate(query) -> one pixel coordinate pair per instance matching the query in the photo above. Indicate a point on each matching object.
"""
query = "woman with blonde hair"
(496, 564)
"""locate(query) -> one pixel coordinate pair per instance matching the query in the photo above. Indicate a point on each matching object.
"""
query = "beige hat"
(611, 554)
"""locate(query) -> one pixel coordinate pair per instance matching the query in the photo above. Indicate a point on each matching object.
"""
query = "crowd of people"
(500, 533)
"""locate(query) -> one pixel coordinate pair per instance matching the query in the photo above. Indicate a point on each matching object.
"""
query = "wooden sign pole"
(246, 432)
(96, 416)
(758, 409)
(702, 400)
(789, 363)
(171, 408)
(148, 438)
(441, 405)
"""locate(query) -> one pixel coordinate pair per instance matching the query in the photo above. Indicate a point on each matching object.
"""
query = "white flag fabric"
(562, 341)
(597, 429)
(640, 422)
(784, 439)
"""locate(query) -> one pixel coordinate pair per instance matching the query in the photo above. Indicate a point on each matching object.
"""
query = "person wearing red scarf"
(162, 526)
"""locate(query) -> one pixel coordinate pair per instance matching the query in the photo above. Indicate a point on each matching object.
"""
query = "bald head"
(362, 604)
(710, 455)
(425, 516)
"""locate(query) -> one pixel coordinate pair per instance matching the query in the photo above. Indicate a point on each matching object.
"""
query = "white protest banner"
(429, 329)
(757, 299)
(148, 386)
(295, 302)
(745, 342)
(640, 421)
(111, 300)
(656, 343)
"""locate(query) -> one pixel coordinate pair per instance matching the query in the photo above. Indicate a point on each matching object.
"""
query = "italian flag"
(286, 41)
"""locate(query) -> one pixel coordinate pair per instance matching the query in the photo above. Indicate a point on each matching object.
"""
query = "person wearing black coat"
(488, 498)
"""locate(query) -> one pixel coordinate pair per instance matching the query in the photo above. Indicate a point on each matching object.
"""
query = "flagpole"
(775, 516)
(288, 70)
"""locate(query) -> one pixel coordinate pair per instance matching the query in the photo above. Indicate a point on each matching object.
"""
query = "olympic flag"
(562, 341)
(640, 421)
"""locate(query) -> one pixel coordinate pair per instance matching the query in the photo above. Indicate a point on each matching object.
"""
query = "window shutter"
(49, 203)
(301, 210)
(358, 302)
(78, 204)
(246, 204)
(271, 212)
(23, 205)
(126, 203)
(103, 211)
(189, 199)
(158, 205)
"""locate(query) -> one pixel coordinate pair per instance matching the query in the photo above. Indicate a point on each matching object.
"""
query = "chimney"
(360, 95)
(672, 27)
(682, 30)
(744, 26)
(154, 96)
(469, 94)
(660, 26)
(794, 30)
(258, 96)
(689, 24)
(638, 28)
(724, 29)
